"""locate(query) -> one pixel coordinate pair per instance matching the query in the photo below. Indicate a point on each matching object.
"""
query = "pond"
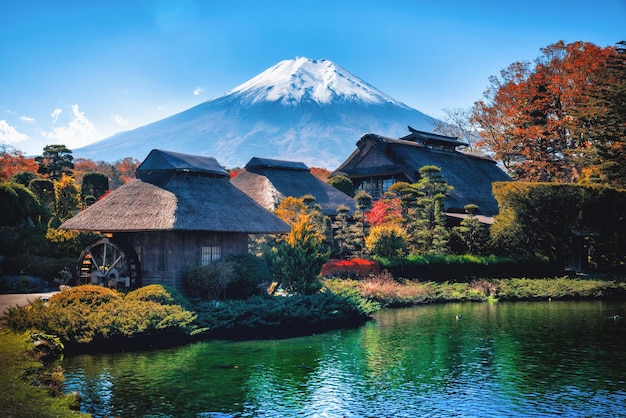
(498, 359)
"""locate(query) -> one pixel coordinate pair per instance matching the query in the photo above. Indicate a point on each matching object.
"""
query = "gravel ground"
(20, 299)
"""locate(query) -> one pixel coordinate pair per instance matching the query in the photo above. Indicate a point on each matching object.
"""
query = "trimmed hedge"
(440, 268)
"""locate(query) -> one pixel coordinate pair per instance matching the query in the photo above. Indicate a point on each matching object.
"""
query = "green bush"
(48, 268)
(209, 282)
(442, 268)
(266, 316)
(164, 295)
(250, 273)
(86, 314)
(388, 241)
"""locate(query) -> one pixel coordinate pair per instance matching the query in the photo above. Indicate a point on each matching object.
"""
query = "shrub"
(387, 241)
(266, 316)
(210, 282)
(250, 272)
(161, 294)
(86, 314)
(48, 268)
(356, 268)
(442, 268)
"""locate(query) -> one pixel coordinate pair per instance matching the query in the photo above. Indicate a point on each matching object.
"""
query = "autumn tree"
(55, 161)
(67, 198)
(13, 161)
(385, 210)
(296, 261)
(530, 118)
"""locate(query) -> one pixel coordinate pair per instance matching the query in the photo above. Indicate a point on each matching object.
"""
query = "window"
(376, 187)
(210, 254)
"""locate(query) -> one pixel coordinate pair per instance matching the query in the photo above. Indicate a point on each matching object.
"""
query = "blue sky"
(73, 72)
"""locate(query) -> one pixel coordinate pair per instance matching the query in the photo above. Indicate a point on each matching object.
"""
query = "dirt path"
(20, 299)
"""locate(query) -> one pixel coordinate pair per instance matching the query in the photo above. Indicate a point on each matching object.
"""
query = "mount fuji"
(305, 110)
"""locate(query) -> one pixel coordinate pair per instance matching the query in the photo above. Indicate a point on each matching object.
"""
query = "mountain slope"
(301, 110)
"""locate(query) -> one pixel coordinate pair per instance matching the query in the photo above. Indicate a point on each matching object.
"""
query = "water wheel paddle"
(108, 263)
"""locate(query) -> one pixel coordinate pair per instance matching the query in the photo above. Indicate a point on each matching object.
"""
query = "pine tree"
(607, 116)
(55, 161)
(428, 232)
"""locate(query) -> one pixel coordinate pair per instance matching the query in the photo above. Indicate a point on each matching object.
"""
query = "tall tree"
(529, 116)
(430, 234)
(55, 161)
(607, 118)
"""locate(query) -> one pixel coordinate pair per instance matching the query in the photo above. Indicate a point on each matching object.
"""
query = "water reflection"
(508, 359)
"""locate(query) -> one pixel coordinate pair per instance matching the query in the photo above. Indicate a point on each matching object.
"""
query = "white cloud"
(78, 131)
(27, 119)
(55, 115)
(119, 120)
(9, 134)
(197, 91)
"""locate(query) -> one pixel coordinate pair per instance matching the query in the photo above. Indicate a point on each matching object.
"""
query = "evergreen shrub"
(251, 272)
(441, 268)
(89, 314)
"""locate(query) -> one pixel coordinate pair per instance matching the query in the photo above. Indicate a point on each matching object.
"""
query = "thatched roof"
(159, 160)
(470, 174)
(173, 195)
(269, 181)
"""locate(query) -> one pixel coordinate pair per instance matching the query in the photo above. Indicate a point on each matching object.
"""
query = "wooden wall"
(165, 256)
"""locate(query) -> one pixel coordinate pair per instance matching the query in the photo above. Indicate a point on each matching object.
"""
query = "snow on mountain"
(305, 110)
(291, 82)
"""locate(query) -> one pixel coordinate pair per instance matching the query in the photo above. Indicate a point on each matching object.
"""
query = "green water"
(504, 359)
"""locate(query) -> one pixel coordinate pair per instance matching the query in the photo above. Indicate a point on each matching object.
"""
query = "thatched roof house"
(180, 212)
(378, 162)
(269, 181)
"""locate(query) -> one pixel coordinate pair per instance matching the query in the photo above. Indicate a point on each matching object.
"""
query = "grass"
(23, 388)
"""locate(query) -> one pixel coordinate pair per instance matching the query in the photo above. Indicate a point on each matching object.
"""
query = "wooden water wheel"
(108, 263)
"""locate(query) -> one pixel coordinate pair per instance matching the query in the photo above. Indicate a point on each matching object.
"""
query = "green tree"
(552, 219)
(342, 183)
(346, 238)
(606, 116)
(423, 210)
(296, 262)
(23, 177)
(44, 190)
(19, 206)
(55, 161)
(363, 203)
(94, 184)
(473, 233)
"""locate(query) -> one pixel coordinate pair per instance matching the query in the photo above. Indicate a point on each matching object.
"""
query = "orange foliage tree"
(530, 115)
(13, 161)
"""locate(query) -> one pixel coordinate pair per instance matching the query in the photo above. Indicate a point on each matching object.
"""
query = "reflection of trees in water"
(530, 358)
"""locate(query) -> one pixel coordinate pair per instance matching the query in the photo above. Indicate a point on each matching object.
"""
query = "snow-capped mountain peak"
(310, 111)
(292, 82)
